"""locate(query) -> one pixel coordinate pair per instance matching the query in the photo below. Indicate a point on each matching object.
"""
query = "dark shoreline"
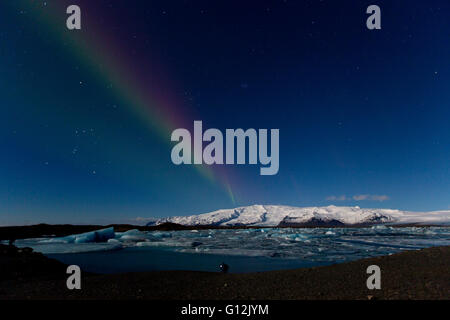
(62, 230)
(421, 274)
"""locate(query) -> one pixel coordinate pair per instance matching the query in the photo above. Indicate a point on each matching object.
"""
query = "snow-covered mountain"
(271, 215)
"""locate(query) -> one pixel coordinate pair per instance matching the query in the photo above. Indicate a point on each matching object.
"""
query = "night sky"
(86, 115)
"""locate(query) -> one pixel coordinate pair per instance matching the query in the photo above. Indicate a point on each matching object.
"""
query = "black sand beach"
(421, 274)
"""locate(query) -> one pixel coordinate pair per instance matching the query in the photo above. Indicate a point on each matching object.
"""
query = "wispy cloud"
(335, 198)
(359, 197)
(370, 197)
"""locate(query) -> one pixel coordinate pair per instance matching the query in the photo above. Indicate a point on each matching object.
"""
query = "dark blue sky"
(363, 115)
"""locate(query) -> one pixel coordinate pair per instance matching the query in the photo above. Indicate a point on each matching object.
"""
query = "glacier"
(278, 215)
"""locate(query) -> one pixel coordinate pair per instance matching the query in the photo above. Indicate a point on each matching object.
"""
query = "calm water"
(148, 259)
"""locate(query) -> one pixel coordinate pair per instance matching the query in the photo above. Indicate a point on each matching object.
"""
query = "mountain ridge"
(280, 215)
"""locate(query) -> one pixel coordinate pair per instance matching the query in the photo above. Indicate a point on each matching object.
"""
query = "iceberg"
(131, 235)
(101, 235)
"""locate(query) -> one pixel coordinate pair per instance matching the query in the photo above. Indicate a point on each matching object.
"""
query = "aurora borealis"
(86, 115)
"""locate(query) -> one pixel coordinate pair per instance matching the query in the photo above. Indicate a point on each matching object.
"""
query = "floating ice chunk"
(54, 240)
(145, 244)
(84, 239)
(94, 236)
(380, 227)
(133, 232)
(132, 235)
(132, 238)
(161, 234)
